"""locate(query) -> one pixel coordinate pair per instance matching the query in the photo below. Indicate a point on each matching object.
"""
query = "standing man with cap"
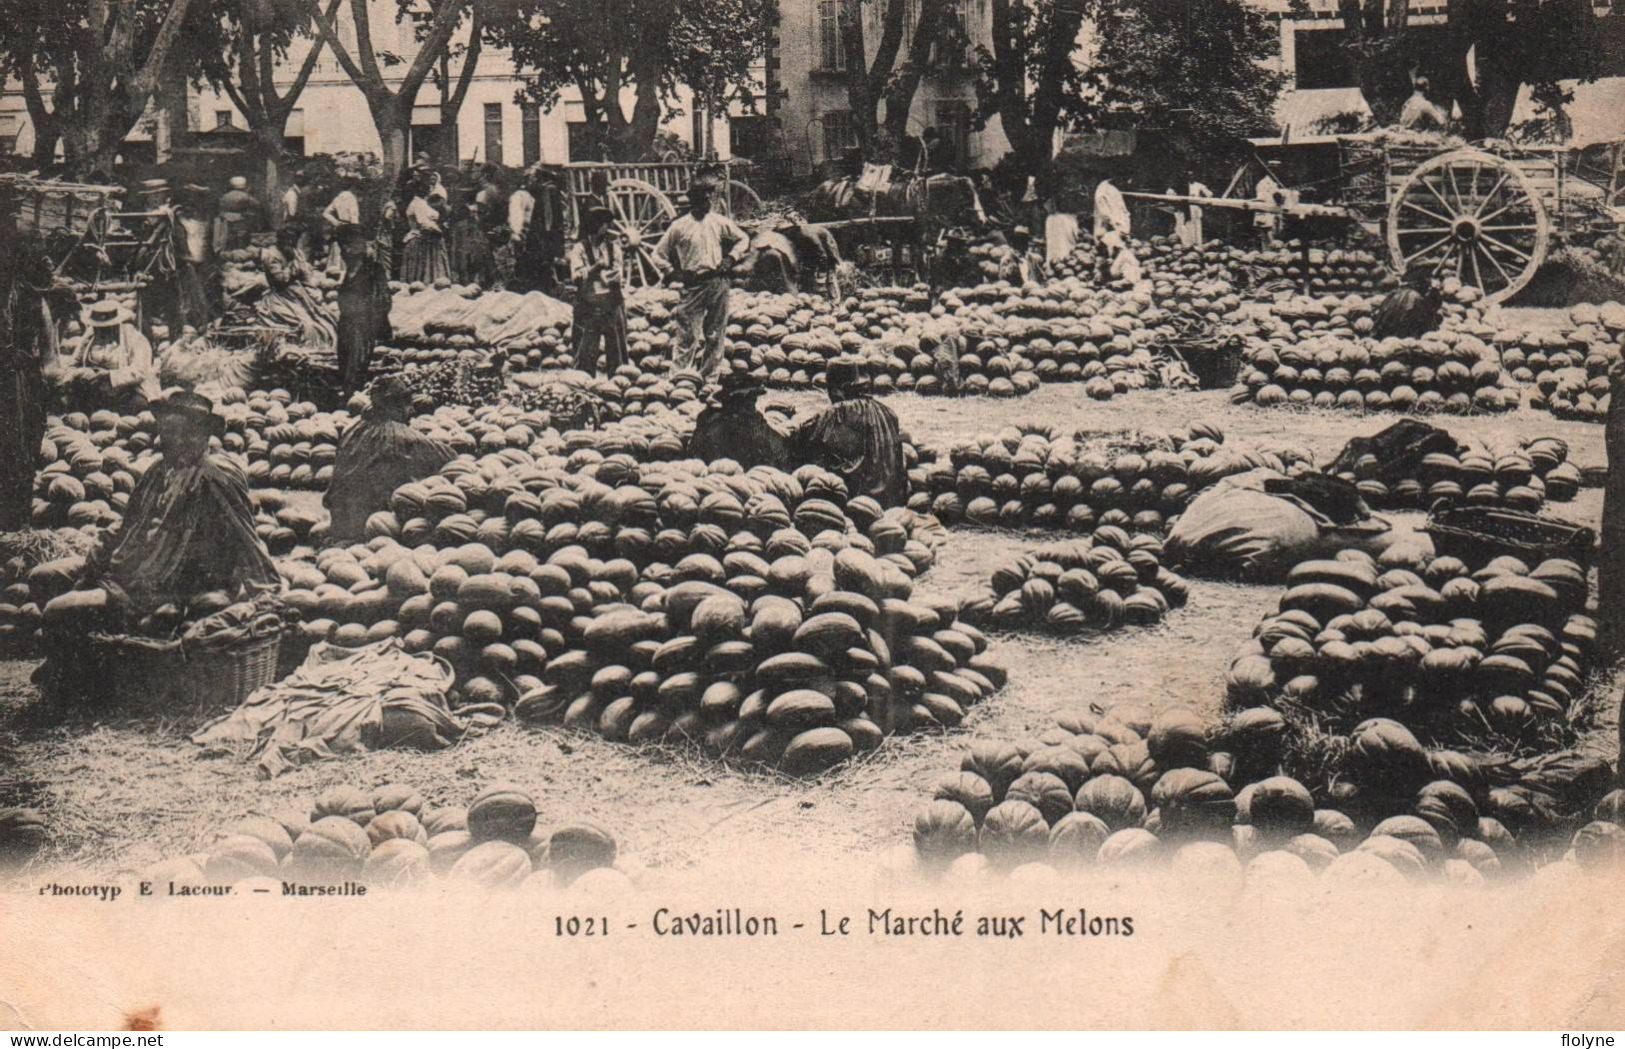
(238, 216)
(701, 249)
(600, 308)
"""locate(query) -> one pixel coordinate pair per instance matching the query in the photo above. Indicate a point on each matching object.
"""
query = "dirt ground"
(119, 796)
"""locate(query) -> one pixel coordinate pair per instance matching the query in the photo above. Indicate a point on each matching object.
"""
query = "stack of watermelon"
(1038, 477)
(391, 838)
(794, 659)
(1096, 584)
(1462, 655)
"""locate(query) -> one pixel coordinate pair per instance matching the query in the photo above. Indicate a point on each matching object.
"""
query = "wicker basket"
(1478, 534)
(174, 678)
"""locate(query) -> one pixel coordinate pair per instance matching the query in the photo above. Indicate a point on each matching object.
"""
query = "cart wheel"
(642, 214)
(742, 204)
(1473, 216)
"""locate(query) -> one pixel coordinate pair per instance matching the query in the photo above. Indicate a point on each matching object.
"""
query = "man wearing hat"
(600, 309)
(115, 346)
(238, 216)
(856, 437)
(376, 455)
(951, 264)
(1018, 264)
(701, 249)
(189, 525)
(730, 427)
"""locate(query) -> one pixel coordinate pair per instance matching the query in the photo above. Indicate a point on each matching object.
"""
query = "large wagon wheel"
(642, 214)
(1470, 215)
(741, 204)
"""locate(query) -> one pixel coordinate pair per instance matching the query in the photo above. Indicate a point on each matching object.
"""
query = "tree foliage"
(88, 68)
(1199, 68)
(1032, 77)
(642, 50)
(390, 96)
(1507, 43)
(880, 90)
(240, 48)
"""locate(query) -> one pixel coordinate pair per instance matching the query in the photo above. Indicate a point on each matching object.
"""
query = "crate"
(1478, 534)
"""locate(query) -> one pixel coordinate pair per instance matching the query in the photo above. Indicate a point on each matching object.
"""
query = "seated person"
(189, 526)
(377, 454)
(116, 347)
(1411, 310)
(855, 436)
(731, 427)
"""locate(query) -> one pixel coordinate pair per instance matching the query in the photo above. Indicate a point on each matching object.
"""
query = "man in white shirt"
(1111, 210)
(345, 209)
(1060, 233)
(701, 249)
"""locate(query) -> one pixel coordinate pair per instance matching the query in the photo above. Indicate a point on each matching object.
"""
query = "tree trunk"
(392, 128)
(268, 144)
(46, 138)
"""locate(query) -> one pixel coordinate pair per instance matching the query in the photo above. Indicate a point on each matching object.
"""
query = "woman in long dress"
(288, 298)
(423, 251)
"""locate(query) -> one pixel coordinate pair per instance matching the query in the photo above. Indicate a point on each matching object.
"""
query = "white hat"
(237, 182)
(105, 314)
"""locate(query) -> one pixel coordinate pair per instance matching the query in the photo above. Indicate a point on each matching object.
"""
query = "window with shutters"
(831, 52)
(530, 132)
(493, 132)
(222, 118)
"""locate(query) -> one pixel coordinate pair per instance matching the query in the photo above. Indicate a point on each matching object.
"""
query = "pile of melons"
(1460, 655)
(1097, 585)
(792, 657)
(1040, 478)
(1475, 475)
(1126, 788)
(1567, 368)
(391, 838)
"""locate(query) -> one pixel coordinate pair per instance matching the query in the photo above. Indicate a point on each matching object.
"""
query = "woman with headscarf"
(377, 454)
(189, 525)
(856, 437)
(1411, 310)
(423, 249)
(288, 299)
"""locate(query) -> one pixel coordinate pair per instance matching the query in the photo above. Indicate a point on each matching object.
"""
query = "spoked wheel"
(1473, 216)
(742, 204)
(642, 214)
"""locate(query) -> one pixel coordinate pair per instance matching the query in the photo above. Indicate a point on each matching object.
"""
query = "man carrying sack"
(701, 249)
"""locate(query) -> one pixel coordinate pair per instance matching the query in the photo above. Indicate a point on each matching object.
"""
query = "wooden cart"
(644, 198)
(93, 243)
(1486, 215)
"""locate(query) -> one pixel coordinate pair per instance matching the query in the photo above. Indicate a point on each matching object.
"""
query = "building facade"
(804, 100)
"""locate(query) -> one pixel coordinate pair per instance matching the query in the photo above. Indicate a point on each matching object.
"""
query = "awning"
(1595, 113)
(1298, 112)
